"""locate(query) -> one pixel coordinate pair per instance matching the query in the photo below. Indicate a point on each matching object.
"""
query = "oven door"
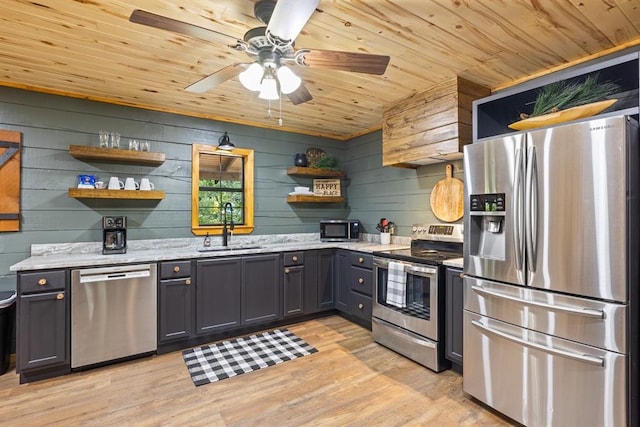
(420, 312)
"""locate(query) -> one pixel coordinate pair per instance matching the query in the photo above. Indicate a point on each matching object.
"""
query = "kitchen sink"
(227, 248)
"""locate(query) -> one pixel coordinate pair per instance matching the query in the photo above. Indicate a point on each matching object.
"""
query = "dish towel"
(396, 285)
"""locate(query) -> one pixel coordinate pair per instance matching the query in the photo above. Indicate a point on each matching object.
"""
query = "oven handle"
(406, 335)
(415, 269)
(589, 312)
(593, 360)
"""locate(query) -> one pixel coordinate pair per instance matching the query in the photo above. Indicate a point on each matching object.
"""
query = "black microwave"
(339, 230)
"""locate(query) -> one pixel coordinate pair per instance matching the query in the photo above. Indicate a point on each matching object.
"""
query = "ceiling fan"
(271, 48)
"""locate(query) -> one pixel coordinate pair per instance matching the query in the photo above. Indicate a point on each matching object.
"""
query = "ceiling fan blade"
(158, 21)
(343, 61)
(213, 80)
(288, 18)
(300, 95)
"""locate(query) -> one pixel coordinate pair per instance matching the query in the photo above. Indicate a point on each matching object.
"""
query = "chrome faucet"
(226, 231)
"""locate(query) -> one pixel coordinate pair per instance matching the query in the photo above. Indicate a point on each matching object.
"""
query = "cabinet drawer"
(360, 306)
(361, 280)
(293, 258)
(175, 269)
(362, 260)
(43, 281)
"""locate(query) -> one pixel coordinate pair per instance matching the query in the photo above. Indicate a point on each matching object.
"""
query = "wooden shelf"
(317, 172)
(87, 193)
(314, 199)
(114, 155)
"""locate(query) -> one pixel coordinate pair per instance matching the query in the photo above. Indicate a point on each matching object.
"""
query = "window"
(217, 178)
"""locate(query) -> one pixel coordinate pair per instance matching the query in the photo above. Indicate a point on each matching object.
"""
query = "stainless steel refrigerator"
(551, 260)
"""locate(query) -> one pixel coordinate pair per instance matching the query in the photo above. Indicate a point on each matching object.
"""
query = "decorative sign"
(326, 187)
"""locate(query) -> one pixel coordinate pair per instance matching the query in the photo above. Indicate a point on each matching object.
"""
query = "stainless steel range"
(408, 308)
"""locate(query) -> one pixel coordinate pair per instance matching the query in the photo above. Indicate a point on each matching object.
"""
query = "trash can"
(7, 320)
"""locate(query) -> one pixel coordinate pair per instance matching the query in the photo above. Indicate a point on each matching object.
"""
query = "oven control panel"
(443, 232)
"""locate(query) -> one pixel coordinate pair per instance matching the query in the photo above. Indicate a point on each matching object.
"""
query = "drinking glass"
(144, 146)
(104, 138)
(133, 145)
(115, 140)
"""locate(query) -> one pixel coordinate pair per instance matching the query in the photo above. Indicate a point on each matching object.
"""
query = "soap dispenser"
(207, 241)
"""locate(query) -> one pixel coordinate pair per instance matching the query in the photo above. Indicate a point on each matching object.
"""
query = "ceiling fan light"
(251, 77)
(289, 82)
(269, 88)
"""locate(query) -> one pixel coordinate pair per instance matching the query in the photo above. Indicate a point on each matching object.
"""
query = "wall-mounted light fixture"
(224, 142)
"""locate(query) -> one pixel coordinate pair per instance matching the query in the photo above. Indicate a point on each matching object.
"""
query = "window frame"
(248, 189)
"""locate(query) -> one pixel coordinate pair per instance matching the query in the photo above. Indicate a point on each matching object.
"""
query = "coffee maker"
(114, 235)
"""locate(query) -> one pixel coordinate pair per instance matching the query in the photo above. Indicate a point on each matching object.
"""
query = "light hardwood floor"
(350, 381)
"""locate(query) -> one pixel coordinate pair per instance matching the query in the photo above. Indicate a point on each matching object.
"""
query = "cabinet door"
(341, 280)
(292, 285)
(454, 313)
(175, 309)
(311, 264)
(42, 339)
(260, 289)
(218, 289)
(325, 280)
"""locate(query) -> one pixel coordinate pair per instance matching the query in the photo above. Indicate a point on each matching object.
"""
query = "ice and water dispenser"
(487, 223)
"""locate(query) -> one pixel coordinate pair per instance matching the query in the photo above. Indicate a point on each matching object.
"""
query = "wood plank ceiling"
(89, 49)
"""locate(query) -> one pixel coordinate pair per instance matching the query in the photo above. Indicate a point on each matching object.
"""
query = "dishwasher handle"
(106, 276)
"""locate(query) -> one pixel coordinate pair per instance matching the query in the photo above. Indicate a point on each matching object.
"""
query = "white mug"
(115, 183)
(130, 184)
(146, 185)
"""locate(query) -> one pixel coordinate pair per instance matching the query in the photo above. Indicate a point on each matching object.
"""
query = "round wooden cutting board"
(447, 197)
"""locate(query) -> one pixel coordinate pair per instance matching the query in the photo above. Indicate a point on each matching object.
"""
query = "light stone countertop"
(89, 254)
(455, 262)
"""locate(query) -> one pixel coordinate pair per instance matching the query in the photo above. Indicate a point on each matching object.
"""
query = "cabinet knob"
(60, 296)
(187, 282)
(360, 280)
(360, 306)
(295, 258)
(176, 269)
(42, 282)
(287, 271)
(360, 260)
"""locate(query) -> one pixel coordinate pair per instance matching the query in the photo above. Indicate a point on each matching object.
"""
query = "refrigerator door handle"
(531, 208)
(589, 312)
(518, 211)
(593, 360)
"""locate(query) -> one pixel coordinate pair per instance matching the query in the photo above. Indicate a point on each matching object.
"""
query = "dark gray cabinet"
(361, 286)
(218, 287)
(175, 301)
(318, 281)
(325, 290)
(454, 306)
(260, 289)
(293, 283)
(43, 325)
(341, 279)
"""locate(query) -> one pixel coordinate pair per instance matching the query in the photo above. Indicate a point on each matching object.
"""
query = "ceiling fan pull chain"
(269, 115)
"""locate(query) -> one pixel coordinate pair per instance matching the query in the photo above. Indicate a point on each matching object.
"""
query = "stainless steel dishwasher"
(113, 313)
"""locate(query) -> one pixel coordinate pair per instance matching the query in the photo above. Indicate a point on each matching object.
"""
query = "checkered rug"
(226, 359)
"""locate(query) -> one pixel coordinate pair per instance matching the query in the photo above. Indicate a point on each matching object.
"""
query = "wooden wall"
(51, 123)
(398, 194)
